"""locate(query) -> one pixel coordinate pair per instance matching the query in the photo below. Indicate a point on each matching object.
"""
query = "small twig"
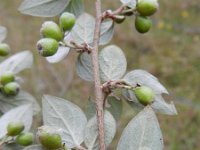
(111, 14)
(84, 47)
(109, 86)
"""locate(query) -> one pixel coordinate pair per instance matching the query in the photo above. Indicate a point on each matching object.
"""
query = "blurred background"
(170, 51)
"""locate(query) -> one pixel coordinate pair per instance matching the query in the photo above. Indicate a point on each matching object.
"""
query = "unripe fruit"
(11, 89)
(4, 49)
(147, 7)
(25, 139)
(119, 19)
(7, 77)
(67, 21)
(51, 30)
(15, 128)
(145, 95)
(49, 139)
(142, 24)
(47, 47)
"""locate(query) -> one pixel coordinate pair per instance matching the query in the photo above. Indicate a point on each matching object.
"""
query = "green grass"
(170, 51)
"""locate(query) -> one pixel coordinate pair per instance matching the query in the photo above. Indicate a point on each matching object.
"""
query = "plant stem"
(98, 90)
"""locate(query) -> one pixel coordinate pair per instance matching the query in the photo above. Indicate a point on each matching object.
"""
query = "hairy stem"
(98, 90)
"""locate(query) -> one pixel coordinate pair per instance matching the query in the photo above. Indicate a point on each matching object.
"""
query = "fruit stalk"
(98, 90)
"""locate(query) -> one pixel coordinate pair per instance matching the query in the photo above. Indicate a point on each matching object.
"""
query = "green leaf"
(112, 63)
(129, 3)
(84, 67)
(66, 116)
(76, 7)
(43, 8)
(34, 147)
(23, 113)
(142, 133)
(91, 133)
(22, 98)
(107, 31)
(90, 109)
(3, 33)
(83, 31)
(161, 106)
(144, 78)
(17, 62)
(115, 107)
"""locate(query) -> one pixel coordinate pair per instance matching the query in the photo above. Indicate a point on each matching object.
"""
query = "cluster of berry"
(15, 130)
(143, 10)
(9, 86)
(47, 137)
(53, 33)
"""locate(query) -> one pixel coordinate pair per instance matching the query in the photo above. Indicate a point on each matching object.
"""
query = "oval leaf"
(10, 102)
(161, 106)
(43, 8)
(107, 31)
(22, 113)
(63, 114)
(83, 31)
(17, 62)
(115, 107)
(91, 132)
(76, 7)
(112, 63)
(142, 132)
(90, 109)
(3, 33)
(144, 78)
(84, 67)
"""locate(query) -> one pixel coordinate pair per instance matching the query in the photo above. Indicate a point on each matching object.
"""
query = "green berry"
(142, 24)
(51, 30)
(67, 21)
(25, 139)
(11, 89)
(119, 19)
(4, 49)
(49, 138)
(145, 95)
(15, 128)
(47, 47)
(147, 7)
(7, 77)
